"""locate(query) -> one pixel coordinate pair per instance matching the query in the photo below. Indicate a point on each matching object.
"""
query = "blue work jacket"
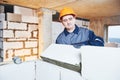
(80, 36)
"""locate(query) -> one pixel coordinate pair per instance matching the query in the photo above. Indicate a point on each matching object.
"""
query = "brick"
(1, 45)
(32, 27)
(12, 45)
(1, 33)
(1, 9)
(1, 39)
(3, 24)
(1, 53)
(30, 44)
(13, 17)
(35, 34)
(7, 59)
(8, 34)
(35, 51)
(24, 11)
(2, 16)
(29, 19)
(1, 59)
(10, 53)
(31, 58)
(22, 34)
(17, 26)
(22, 52)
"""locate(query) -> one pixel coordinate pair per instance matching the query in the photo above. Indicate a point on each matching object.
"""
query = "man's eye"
(70, 18)
(65, 20)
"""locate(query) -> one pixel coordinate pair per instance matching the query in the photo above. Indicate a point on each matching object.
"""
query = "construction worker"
(74, 35)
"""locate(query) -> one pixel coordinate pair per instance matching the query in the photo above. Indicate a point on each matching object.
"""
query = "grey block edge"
(76, 68)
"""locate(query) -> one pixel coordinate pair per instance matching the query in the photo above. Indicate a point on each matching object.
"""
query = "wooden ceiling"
(83, 8)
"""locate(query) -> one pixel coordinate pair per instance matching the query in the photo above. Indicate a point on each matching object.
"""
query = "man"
(74, 35)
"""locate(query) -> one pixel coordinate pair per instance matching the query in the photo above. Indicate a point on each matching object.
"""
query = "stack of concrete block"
(37, 70)
(20, 40)
(18, 37)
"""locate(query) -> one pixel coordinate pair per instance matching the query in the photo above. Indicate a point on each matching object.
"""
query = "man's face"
(68, 21)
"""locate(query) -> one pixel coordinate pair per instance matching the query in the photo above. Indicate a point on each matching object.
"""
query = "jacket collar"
(75, 31)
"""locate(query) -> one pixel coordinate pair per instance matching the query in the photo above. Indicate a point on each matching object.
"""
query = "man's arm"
(95, 40)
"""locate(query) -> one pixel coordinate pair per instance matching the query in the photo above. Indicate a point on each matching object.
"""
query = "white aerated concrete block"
(23, 71)
(30, 44)
(3, 24)
(32, 27)
(22, 52)
(24, 11)
(64, 55)
(17, 26)
(1, 34)
(29, 19)
(100, 63)
(47, 71)
(67, 74)
(12, 45)
(22, 34)
(13, 17)
(1, 9)
(2, 16)
(8, 34)
(35, 51)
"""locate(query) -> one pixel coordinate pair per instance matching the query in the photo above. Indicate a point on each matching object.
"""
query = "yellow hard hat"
(66, 11)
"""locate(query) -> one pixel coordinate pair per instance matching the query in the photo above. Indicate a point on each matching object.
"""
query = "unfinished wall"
(98, 24)
(19, 36)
